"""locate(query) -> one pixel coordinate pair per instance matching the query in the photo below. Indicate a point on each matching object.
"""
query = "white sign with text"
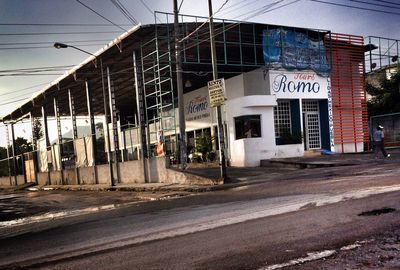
(298, 85)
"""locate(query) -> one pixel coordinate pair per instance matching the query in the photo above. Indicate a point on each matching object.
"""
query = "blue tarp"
(293, 50)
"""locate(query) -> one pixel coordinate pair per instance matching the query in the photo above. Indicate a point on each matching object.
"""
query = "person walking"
(378, 142)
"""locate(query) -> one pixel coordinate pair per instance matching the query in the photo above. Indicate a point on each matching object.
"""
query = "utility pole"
(179, 85)
(221, 133)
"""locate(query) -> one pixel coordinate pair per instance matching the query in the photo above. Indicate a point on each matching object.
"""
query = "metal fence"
(391, 124)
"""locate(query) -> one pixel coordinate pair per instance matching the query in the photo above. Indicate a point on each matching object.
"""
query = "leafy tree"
(385, 95)
(37, 130)
(204, 145)
(22, 146)
(3, 162)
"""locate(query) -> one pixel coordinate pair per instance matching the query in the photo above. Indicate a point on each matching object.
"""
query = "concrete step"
(290, 163)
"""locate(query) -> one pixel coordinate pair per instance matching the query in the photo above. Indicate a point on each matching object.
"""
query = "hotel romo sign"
(216, 90)
(298, 85)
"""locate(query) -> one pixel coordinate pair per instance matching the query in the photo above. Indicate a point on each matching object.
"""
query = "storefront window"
(247, 126)
(282, 118)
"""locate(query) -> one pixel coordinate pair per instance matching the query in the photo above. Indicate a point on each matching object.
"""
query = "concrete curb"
(141, 188)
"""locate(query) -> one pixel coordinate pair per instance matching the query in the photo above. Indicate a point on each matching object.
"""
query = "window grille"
(282, 118)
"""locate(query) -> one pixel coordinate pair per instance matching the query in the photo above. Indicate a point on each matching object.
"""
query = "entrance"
(311, 124)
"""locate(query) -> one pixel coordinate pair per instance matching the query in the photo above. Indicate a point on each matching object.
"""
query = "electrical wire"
(76, 42)
(45, 47)
(372, 4)
(23, 89)
(387, 2)
(59, 24)
(58, 33)
(355, 7)
(124, 11)
(199, 27)
(149, 9)
(179, 9)
(94, 11)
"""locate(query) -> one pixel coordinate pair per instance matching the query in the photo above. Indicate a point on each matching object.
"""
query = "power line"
(23, 89)
(58, 33)
(52, 42)
(355, 7)
(180, 5)
(29, 74)
(60, 24)
(7, 103)
(124, 11)
(94, 11)
(238, 5)
(46, 47)
(37, 68)
(372, 4)
(199, 27)
(147, 7)
(387, 2)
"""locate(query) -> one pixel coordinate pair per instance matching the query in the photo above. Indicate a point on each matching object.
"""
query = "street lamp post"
(59, 45)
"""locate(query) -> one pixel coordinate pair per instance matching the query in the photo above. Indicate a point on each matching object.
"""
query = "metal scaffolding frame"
(383, 56)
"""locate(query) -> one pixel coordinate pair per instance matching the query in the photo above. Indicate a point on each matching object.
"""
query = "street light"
(59, 45)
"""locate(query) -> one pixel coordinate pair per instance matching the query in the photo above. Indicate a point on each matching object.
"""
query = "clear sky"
(28, 29)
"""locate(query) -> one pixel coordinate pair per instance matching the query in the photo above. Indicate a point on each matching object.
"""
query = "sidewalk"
(237, 176)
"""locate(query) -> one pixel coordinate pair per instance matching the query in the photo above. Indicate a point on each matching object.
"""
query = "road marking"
(61, 214)
(312, 256)
(178, 222)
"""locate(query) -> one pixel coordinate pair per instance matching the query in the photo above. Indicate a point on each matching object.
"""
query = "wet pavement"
(39, 200)
(33, 203)
(379, 251)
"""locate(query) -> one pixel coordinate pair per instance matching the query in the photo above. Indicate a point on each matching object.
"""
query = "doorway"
(311, 124)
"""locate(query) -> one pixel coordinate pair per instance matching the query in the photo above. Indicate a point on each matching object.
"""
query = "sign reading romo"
(216, 90)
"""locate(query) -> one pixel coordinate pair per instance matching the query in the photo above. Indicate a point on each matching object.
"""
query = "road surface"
(279, 221)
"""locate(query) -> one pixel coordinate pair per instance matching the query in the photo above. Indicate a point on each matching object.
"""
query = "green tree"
(3, 162)
(37, 130)
(385, 95)
(204, 145)
(22, 146)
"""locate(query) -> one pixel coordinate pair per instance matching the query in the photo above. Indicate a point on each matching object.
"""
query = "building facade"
(288, 90)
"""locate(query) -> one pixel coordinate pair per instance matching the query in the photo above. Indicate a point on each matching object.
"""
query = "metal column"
(74, 129)
(59, 136)
(46, 136)
(92, 128)
(106, 122)
(13, 153)
(8, 154)
(114, 121)
(142, 115)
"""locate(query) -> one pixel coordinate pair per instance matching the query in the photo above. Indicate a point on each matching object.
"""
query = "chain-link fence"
(391, 124)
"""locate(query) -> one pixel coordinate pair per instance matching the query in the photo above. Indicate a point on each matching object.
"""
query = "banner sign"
(294, 50)
(216, 90)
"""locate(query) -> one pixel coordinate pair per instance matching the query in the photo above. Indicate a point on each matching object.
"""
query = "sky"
(28, 29)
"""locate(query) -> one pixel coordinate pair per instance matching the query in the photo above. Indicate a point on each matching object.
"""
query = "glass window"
(282, 118)
(247, 126)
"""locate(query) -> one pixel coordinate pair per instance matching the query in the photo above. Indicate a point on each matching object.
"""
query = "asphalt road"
(277, 219)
